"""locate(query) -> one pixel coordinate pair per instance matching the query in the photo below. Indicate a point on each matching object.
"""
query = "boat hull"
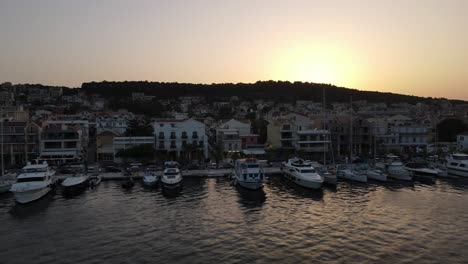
(352, 176)
(311, 184)
(250, 185)
(172, 186)
(5, 187)
(457, 172)
(329, 178)
(150, 182)
(376, 176)
(31, 195)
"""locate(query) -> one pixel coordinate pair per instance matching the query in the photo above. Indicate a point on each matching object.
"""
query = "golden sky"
(413, 47)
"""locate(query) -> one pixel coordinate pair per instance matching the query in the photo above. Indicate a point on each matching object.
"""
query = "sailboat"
(348, 172)
(328, 175)
(4, 186)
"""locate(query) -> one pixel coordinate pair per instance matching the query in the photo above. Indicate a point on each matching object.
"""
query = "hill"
(278, 91)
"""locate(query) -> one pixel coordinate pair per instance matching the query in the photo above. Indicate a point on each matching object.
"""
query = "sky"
(417, 47)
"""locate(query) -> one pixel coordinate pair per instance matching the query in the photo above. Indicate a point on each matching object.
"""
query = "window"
(194, 134)
(230, 146)
(161, 135)
(173, 144)
(462, 165)
(173, 136)
(184, 134)
(172, 125)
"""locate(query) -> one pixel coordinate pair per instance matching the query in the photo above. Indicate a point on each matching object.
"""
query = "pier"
(210, 173)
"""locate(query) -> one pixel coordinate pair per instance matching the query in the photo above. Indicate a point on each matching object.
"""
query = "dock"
(210, 173)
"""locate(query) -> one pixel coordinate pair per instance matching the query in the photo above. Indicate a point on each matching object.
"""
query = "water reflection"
(283, 185)
(251, 198)
(31, 209)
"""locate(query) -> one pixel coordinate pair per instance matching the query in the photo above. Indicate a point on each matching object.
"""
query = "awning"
(253, 151)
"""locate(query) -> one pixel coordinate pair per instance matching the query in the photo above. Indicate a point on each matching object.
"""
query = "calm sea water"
(211, 221)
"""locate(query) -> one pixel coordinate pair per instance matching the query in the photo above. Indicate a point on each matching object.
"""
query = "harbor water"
(211, 221)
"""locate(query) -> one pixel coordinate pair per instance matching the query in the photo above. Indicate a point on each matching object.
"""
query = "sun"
(316, 64)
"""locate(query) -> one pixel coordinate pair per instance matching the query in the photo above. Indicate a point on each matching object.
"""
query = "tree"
(448, 129)
(139, 129)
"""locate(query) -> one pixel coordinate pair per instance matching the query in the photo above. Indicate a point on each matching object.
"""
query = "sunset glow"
(412, 47)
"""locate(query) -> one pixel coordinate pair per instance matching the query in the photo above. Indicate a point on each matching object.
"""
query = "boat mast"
(351, 130)
(1, 128)
(324, 128)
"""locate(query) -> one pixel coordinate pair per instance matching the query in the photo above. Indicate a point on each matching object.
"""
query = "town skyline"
(412, 48)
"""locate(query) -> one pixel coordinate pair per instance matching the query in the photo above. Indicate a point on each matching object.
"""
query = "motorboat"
(4, 186)
(128, 183)
(328, 173)
(457, 164)
(353, 175)
(171, 178)
(421, 172)
(376, 174)
(302, 173)
(34, 182)
(149, 179)
(95, 181)
(395, 168)
(75, 183)
(249, 174)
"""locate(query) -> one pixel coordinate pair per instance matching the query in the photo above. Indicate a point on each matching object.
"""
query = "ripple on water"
(211, 221)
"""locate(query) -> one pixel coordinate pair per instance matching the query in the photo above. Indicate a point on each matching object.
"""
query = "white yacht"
(150, 179)
(171, 178)
(457, 164)
(34, 182)
(377, 174)
(249, 174)
(75, 183)
(350, 174)
(395, 168)
(302, 173)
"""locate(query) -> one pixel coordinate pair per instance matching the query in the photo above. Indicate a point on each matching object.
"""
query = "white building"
(174, 135)
(462, 141)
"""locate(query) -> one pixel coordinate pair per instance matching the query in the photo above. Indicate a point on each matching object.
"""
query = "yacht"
(457, 164)
(328, 173)
(75, 183)
(376, 174)
(421, 172)
(353, 175)
(249, 174)
(149, 179)
(302, 173)
(34, 182)
(171, 178)
(395, 168)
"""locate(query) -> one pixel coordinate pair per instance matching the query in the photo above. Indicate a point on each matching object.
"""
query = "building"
(118, 124)
(235, 135)
(121, 143)
(174, 136)
(295, 132)
(62, 144)
(20, 142)
(462, 141)
(105, 146)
